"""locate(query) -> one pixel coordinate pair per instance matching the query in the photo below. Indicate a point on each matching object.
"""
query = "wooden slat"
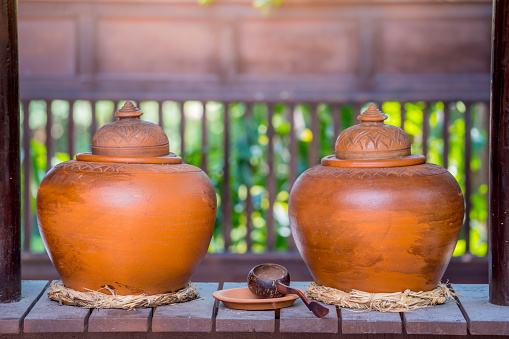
(355, 322)
(180, 106)
(49, 138)
(115, 320)
(117, 106)
(204, 139)
(445, 319)
(230, 320)
(468, 177)
(290, 108)
(48, 316)
(225, 189)
(160, 114)
(249, 200)
(313, 155)
(193, 316)
(293, 147)
(483, 318)
(403, 115)
(70, 130)
(484, 108)
(425, 129)
(93, 124)
(445, 134)
(298, 318)
(27, 199)
(356, 111)
(336, 122)
(271, 181)
(249, 220)
(12, 314)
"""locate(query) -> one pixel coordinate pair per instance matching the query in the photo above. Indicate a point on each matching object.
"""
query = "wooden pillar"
(10, 203)
(499, 157)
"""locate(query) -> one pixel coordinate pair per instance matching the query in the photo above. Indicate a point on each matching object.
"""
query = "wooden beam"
(499, 157)
(10, 199)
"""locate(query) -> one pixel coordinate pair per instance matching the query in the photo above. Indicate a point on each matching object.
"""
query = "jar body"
(376, 229)
(136, 228)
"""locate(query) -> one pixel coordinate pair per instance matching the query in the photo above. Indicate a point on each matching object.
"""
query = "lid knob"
(128, 111)
(372, 114)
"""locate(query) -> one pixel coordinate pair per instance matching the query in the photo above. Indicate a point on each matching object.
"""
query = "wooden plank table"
(36, 316)
(229, 320)
(298, 319)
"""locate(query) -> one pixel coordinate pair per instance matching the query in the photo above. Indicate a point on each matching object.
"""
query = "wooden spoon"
(272, 280)
(318, 309)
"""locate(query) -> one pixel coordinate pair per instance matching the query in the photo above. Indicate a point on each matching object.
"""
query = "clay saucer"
(243, 299)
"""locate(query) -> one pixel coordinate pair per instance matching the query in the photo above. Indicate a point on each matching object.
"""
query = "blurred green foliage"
(248, 157)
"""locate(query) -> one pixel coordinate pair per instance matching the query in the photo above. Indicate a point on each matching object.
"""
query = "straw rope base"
(96, 299)
(382, 302)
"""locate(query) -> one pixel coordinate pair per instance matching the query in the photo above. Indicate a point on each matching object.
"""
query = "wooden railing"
(298, 148)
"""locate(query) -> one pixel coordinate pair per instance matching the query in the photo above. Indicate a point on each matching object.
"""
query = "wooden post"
(10, 201)
(499, 157)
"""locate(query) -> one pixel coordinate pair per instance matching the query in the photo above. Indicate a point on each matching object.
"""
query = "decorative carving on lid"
(130, 136)
(372, 139)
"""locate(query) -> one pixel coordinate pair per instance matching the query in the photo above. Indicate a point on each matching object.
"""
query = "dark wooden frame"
(499, 162)
(10, 146)
(10, 182)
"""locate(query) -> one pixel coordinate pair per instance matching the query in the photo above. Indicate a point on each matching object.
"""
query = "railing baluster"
(225, 192)
(445, 134)
(293, 147)
(293, 161)
(425, 129)
(249, 201)
(356, 111)
(403, 115)
(314, 150)
(49, 138)
(336, 121)
(180, 106)
(160, 115)
(70, 130)
(271, 181)
(486, 157)
(27, 201)
(116, 106)
(204, 139)
(93, 124)
(468, 179)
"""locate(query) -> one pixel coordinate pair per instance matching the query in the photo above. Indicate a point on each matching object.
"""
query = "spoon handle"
(318, 309)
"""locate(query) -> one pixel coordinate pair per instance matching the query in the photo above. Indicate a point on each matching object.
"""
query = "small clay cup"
(263, 280)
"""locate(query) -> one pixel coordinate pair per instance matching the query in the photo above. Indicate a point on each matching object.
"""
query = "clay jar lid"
(131, 140)
(373, 144)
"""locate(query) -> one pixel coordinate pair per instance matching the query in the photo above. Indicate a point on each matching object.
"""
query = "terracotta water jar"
(130, 215)
(373, 216)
